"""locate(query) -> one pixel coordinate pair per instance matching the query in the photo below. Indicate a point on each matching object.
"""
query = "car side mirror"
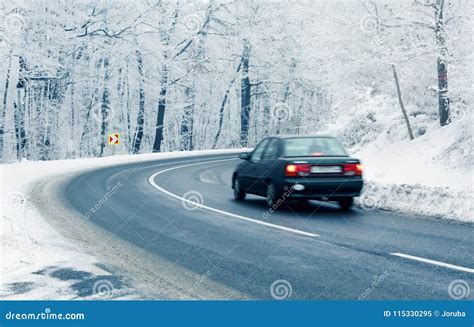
(244, 156)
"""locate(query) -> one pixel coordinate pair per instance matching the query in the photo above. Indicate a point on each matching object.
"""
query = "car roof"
(289, 136)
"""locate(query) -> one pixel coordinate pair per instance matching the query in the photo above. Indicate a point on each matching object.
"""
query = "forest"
(187, 75)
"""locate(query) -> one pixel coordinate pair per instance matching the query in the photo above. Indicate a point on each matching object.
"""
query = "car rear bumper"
(315, 188)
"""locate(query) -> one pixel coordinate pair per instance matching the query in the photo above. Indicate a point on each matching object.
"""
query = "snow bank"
(39, 263)
(430, 175)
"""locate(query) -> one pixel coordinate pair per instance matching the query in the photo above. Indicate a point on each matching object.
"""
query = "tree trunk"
(161, 110)
(245, 89)
(286, 94)
(137, 138)
(19, 120)
(72, 147)
(94, 91)
(104, 107)
(19, 116)
(266, 114)
(443, 99)
(128, 109)
(121, 117)
(4, 105)
(407, 121)
(221, 109)
(186, 131)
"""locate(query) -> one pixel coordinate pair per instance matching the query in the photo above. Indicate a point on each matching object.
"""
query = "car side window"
(271, 150)
(258, 152)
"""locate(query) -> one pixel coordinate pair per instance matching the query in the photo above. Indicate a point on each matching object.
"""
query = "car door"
(269, 158)
(250, 175)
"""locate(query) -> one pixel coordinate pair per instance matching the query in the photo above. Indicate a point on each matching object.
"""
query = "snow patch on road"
(39, 263)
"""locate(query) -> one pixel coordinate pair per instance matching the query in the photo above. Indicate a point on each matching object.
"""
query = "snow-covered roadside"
(431, 175)
(39, 263)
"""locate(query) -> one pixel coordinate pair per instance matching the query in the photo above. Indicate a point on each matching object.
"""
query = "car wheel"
(271, 195)
(239, 193)
(346, 203)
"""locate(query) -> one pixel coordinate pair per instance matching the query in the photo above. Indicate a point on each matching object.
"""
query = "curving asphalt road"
(315, 250)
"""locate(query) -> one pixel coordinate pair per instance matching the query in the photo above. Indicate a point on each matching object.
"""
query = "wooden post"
(410, 132)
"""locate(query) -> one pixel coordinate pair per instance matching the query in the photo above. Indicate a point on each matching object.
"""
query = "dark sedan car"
(299, 167)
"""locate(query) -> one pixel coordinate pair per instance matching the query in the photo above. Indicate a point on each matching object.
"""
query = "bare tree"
(222, 107)
(137, 139)
(4, 104)
(105, 106)
(443, 98)
(245, 94)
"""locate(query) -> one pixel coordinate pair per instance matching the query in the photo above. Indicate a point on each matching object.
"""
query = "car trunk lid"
(322, 166)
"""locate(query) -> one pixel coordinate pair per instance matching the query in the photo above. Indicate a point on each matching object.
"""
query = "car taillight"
(352, 169)
(293, 170)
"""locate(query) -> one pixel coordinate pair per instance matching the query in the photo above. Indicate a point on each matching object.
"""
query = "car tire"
(239, 193)
(346, 203)
(271, 195)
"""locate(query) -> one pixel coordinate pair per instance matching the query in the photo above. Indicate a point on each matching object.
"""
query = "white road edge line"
(151, 180)
(434, 262)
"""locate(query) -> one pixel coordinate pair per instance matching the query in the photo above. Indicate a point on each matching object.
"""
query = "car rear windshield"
(313, 147)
